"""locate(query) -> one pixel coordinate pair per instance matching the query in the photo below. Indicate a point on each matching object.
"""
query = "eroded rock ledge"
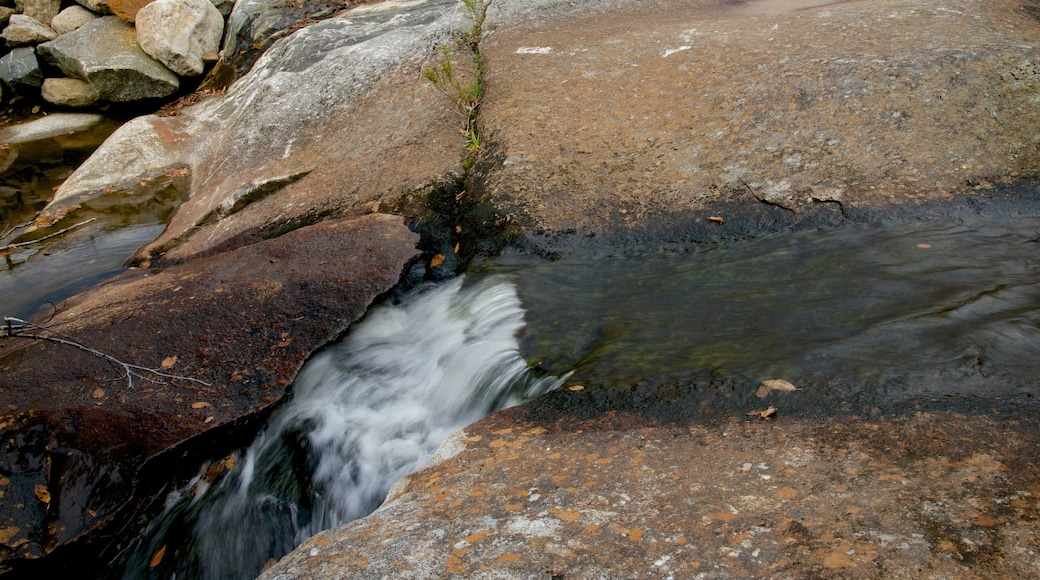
(539, 492)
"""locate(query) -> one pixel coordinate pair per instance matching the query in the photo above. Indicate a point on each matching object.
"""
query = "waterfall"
(364, 413)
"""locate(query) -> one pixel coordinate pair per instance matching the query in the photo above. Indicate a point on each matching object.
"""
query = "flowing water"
(880, 313)
(363, 414)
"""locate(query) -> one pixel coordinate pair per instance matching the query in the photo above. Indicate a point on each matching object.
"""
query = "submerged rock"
(49, 127)
(105, 53)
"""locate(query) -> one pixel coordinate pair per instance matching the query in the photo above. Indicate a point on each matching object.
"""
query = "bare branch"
(55, 234)
(18, 328)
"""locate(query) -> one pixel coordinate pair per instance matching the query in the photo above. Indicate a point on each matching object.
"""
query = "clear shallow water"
(872, 311)
(364, 413)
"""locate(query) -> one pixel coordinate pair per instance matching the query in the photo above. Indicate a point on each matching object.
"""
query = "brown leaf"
(42, 493)
(285, 343)
(200, 405)
(157, 557)
(716, 219)
(764, 413)
(774, 385)
(169, 362)
(575, 388)
(437, 260)
(98, 393)
(924, 246)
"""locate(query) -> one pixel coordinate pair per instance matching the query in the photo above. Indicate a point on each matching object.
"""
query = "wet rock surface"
(236, 328)
(542, 491)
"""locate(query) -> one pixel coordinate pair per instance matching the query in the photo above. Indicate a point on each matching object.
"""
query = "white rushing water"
(364, 413)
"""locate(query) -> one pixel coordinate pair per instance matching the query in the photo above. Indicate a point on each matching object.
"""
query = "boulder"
(6, 13)
(303, 133)
(41, 10)
(68, 92)
(234, 327)
(178, 33)
(20, 70)
(25, 30)
(71, 18)
(105, 53)
(95, 6)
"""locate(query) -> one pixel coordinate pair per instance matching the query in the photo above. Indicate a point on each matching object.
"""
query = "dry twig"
(18, 328)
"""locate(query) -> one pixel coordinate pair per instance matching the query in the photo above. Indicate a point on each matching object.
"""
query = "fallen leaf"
(92, 513)
(437, 260)
(575, 388)
(200, 405)
(285, 343)
(456, 247)
(924, 246)
(716, 219)
(169, 362)
(98, 393)
(764, 413)
(157, 557)
(774, 385)
(208, 419)
(42, 493)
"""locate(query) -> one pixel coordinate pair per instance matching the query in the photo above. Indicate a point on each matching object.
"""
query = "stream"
(883, 314)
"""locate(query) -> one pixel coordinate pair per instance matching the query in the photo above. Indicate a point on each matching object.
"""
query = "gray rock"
(20, 70)
(68, 92)
(307, 84)
(224, 6)
(53, 125)
(24, 30)
(41, 10)
(178, 33)
(105, 53)
(5, 14)
(96, 6)
(71, 18)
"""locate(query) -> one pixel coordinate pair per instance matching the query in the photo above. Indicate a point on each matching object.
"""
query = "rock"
(178, 33)
(243, 148)
(71, 18)
(42, 10)
(95, 6)
(105, 53)
(5, 14)
(23, 30)
(545, 491)
(126, 9)
(49, 127)
(68, 92)
(20, 70)
(225, 318)
(740, 108)
(224, 6)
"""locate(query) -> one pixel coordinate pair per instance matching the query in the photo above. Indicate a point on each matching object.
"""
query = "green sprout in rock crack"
(463, 84)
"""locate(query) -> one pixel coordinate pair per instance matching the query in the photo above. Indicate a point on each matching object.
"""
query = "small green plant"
(464, 85)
